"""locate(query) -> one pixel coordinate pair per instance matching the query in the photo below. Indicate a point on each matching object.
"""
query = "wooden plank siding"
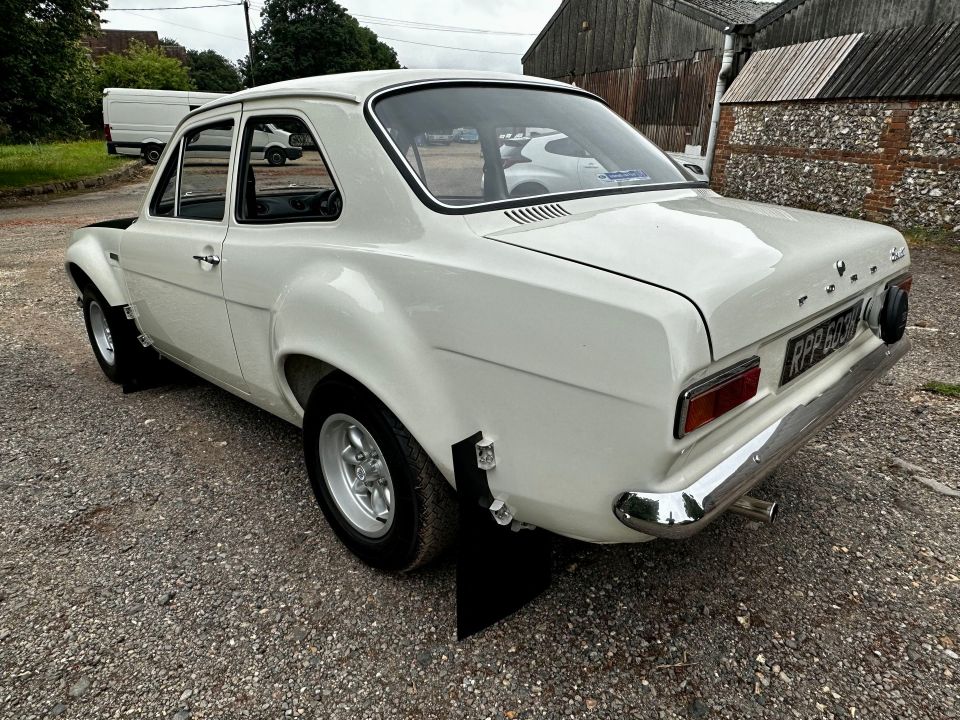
(655, 66)
(907, 62)
(670, 102)
(797, 21)
(619, 34)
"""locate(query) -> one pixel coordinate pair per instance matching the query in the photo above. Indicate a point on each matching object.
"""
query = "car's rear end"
(753, 410)
(803, 311)
(658, 348)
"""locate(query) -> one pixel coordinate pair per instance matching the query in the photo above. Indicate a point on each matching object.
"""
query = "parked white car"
(553, 162)
(631, 355)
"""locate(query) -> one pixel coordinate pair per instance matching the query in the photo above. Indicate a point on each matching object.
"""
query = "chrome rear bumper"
(683, 513)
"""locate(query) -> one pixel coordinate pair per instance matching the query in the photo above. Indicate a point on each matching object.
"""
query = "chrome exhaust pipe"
(755, 509)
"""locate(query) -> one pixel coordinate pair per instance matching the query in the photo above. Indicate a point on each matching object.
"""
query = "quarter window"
(283, 175)
(203, 170)
(203, 179)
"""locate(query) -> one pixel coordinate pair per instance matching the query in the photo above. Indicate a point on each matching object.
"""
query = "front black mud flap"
(498, 570)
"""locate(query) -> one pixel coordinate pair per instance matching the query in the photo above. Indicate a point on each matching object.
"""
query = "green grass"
(924, 237)
(22, 165)
(940, 388)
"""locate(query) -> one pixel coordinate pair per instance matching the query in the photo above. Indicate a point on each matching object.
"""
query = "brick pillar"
(888, 168)
(728, 122)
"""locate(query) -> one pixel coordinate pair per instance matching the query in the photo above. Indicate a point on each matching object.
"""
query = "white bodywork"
(567, 340)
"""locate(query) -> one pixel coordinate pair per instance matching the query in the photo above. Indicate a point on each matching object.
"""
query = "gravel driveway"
(161, 556)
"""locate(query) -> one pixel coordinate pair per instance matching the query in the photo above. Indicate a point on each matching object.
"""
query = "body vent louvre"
(536, 213)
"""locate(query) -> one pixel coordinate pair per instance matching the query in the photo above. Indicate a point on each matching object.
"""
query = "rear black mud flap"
(498, 570)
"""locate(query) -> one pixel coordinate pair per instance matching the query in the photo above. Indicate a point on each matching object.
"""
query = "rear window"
(579, 145)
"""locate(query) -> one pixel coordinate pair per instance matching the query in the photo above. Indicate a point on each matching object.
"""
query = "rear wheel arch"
(302, 373)
(528, 189)
(420, 506)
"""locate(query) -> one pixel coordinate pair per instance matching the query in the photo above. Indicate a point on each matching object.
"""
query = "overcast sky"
(223, 29)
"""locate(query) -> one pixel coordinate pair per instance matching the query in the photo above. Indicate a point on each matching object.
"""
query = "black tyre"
(151, 153)
(379, 491)
(276, 156)
(114, 340)
(528, 189)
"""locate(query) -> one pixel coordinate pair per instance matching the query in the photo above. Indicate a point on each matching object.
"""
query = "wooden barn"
(846, 106)
(655, 61)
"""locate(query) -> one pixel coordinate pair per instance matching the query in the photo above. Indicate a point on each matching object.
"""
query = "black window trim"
(243, 160)
(436, 205)
(172, 165)
(177, 161)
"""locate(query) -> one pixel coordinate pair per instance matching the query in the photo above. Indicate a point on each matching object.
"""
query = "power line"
(448, 47)
(176, 7)
(188, 27)
(377, 20)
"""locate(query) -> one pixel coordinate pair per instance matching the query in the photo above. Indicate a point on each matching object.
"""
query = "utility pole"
(246, 15)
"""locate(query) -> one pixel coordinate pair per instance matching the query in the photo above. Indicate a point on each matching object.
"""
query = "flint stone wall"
(890, 161)
(826, 185)
(855, 127)
(927, 198)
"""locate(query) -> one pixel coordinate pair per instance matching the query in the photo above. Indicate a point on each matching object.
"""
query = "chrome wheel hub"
(101, 333)
(356, 475)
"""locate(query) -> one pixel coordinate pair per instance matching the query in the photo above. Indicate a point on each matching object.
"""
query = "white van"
(139, 122)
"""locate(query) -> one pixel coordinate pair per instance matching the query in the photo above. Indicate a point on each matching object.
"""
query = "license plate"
(805, 351)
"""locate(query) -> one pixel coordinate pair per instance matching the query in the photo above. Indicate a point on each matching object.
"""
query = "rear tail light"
(904, 282)
(106, 132)
(511, 161)
(711, 398)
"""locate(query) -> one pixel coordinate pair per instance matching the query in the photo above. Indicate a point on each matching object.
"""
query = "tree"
(299, 38)
(143, 67)
(212, 72)
(47, 81)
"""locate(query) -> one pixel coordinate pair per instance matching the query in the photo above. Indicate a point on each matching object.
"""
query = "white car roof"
(358, 86)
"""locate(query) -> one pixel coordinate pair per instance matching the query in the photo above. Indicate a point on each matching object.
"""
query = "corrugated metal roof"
(737, 11)
(918, 61)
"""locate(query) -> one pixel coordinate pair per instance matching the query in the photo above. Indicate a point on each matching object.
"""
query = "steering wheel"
(332, 206)
(326, 202)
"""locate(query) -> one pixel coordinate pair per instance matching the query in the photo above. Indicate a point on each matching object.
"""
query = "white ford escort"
(629, 355)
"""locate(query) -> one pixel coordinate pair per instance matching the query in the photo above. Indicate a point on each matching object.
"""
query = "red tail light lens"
(511, 161)
(708, 400)
(106, 133)
(904, 282)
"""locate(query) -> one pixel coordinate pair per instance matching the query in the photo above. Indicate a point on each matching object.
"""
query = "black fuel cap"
(893, 315)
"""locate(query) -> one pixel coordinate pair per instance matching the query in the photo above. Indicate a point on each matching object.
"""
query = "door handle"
(212, 259)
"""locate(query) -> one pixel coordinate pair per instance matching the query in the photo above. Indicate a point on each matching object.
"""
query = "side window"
(565, 146)
(451, 171)
(203, 175)
(284, 178)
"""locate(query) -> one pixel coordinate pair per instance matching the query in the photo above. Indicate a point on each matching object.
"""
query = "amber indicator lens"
(712, 403)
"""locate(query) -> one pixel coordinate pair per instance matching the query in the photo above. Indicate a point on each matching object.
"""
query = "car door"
(280, 212)
(171, 257)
